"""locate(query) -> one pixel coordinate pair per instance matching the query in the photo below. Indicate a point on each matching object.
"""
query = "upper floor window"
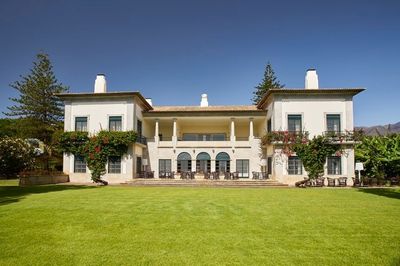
(295, 167)
(294, 123)
(203, 137)
(114, 164)
(115, 123)
(333, 123)
(334, 165)
(269, 125)
(81, 123)
(139, 127)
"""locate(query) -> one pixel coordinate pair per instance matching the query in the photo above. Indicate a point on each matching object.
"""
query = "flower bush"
(97, 148)
(16, 155)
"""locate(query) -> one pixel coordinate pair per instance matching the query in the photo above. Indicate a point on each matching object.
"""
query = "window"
(79, 164)
(80, 123)
(139, 128)
(242, 166)
(333, 123)
(203, 162)
(115, 123)
(295, 167)
(269, 165)
(294, 123)
(114, 165)
(334, 165)
(164, 165)
(222, 162)
(138, 165)
(184, 162)
(269, 125)
(203, 137)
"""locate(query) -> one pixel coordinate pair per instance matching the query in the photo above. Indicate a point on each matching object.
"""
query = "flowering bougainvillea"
(312, 152)
(16, 155)
(97, 148)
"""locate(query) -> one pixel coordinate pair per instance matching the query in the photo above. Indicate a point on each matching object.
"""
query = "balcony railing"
(344, 136)
(284, 137)
(141, 140)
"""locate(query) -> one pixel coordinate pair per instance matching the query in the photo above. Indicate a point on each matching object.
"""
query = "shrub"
(16, 155)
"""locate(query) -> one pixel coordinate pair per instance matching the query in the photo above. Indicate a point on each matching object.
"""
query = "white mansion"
(211, 139)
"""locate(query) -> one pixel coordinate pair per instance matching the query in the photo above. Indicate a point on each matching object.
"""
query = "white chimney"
(149, 101)
(311, 79)
(100, 84)
(204, 100)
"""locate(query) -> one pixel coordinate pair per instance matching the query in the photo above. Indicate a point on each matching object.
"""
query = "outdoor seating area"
(146, 174)
(260, 175)
(320, 182)
(375, 182)
(167, 174)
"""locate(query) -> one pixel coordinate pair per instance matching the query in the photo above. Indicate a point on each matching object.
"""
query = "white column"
(174, 137)
(156, 137)
(233, 137)
(251, 129)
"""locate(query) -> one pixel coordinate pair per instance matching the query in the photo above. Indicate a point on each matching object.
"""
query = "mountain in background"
(381, 130)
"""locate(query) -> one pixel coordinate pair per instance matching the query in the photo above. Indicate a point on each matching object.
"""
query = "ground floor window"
(138, 165)
(222, 162)
(269, 165)
(295, 167)
(164, 165)
(334, 165)
(184, 162)
(114, 164)
(79, 164)
(203, 163)
(242, 166)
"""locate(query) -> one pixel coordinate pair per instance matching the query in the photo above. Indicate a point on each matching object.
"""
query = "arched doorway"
(203, 163)
(222, 162)
(184, 162)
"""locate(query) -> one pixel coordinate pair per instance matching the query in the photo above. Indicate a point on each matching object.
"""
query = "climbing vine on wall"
(96, 148)
(312, 152)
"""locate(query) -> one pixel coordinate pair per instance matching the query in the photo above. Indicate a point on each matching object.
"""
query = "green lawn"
(59, 224)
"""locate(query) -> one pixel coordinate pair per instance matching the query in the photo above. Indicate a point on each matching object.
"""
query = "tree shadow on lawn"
(384, 192)
(12, 194)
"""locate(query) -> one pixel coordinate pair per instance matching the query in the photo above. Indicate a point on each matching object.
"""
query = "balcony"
(344, 136)
(141, 140)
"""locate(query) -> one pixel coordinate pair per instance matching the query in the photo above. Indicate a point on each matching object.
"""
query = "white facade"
(235, 131)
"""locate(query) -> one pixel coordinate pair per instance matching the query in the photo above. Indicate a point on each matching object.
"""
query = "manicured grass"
(61, 224)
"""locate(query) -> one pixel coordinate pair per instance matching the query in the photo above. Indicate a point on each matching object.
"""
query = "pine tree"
(269, 81)
(37, 102)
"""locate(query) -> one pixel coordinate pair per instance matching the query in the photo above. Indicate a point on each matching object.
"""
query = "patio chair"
(235, 175)
(356, 182)
(331, 182)
(227, 175)
(320, 182)
(215, 175)
(192, 175)
(264, 175)
(342, 181)
(307, 182)
(256, 175)
(394, 181)
(207, 175)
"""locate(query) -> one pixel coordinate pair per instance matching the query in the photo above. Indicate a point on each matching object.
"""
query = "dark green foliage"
(270, 81)
(313, 154)
(380, 155)
(96, 149)
(37, 104)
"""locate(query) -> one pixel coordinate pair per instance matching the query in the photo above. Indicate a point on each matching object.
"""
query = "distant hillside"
(381, 130)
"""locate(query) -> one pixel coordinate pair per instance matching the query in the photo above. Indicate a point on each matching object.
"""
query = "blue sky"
(172, 51)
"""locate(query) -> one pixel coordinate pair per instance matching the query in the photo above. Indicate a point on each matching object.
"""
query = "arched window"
(222, 162)
(203, 162)
(184, 161)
